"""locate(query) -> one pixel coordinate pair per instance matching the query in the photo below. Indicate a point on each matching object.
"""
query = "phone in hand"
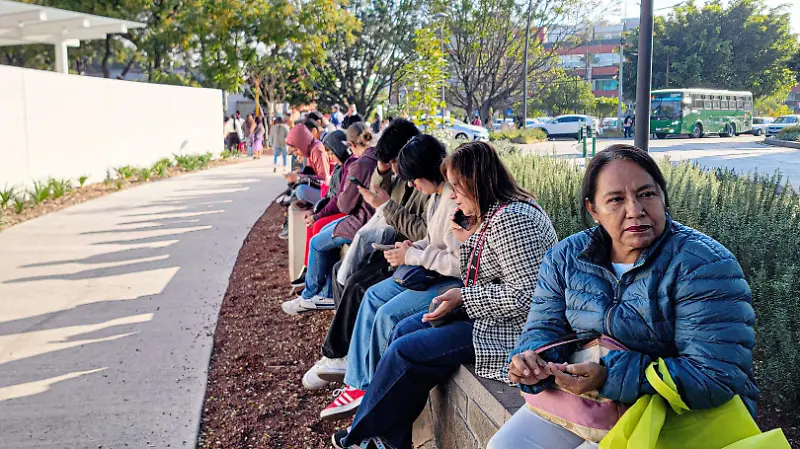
(460, 219)
(355, 181)
(379, 247)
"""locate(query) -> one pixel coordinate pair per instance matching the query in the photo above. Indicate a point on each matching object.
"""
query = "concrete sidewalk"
(108, 310)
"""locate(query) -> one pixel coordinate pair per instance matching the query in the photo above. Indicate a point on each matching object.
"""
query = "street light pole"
(441, 17)
(525, 71)
(619, 77)
(644, 75)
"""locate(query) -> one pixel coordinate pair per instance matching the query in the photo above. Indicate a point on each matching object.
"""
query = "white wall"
(65, 126)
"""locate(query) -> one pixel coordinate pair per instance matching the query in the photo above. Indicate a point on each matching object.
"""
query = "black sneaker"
(338, 439)
(301, 280)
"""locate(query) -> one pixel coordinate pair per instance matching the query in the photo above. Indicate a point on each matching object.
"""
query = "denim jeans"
(308, 194)
(279, 152)
(385, 304)
(419, 358)
(321, 258)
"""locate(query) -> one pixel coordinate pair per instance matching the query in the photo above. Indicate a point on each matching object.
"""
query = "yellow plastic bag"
(651, 424)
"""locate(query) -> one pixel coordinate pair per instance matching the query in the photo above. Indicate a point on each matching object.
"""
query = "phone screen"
(460, 219)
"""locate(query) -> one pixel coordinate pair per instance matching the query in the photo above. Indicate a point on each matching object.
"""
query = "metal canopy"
(24, 24)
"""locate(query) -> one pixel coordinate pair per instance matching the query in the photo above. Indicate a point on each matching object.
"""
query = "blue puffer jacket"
(685, 300)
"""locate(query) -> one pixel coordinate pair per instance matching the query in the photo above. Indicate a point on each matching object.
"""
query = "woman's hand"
(579, 378)
(528, 368)
(397, 257)
(309, 219)
(291, 177)
(448, 302)
(374, 199)
(461, 234)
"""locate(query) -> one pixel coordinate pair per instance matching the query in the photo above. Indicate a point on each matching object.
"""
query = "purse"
(415, 277)
(589, 415)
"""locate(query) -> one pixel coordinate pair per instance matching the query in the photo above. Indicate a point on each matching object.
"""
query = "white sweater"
(439, 251)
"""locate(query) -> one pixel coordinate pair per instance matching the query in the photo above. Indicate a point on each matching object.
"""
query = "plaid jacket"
(517, 239)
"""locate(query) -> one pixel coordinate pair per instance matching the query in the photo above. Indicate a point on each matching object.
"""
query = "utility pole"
(644, 75)
(525, 71)
(441, 17)
(619, 77)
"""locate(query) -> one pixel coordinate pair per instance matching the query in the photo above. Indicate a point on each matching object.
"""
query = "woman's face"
(465, 202)
(294, 150)
(425, 186)
(629, 205)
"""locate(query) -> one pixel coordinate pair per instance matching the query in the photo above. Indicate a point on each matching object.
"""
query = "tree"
(365, 59)
(734, 46)
(486, 49)
(563, 95)
(773, 105)
(606, 106)
(425, 75)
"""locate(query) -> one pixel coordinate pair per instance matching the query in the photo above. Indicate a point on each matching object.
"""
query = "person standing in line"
(237, 126)
(277, 140)
(351, 110)
(336, 116)
(228, 131)
(249, 130)
(258, 138)
(627, 126)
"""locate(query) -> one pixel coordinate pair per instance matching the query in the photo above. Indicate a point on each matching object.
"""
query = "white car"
(497, 125)
(567, 126)
(463, 131)
(760, 125)
(782, 122)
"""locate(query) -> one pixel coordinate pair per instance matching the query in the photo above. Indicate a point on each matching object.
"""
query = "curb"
(782, 143)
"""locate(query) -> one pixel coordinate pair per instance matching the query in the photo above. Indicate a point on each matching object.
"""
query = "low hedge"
(757, 217)
(790, 133)
(519, 135)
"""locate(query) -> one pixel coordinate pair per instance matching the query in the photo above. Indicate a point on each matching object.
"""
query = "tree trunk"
(106, 57)
(127, 68)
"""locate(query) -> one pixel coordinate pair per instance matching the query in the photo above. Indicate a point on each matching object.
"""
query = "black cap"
(335, 140)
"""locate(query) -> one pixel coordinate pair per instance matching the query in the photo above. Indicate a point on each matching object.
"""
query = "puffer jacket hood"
(336, 142)
(300, 137)
(685, 300)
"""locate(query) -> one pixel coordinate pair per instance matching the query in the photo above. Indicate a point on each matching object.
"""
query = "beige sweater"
(439, 251)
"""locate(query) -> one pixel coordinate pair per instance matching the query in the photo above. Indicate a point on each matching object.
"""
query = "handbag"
(587, 415)
(415, 277)
(651, 424)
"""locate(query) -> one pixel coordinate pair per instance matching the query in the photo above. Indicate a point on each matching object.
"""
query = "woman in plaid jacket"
(505, 242)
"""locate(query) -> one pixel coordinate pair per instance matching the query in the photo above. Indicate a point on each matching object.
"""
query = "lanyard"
(475, 258)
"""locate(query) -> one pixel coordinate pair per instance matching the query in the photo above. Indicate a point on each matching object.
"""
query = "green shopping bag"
(651, 424)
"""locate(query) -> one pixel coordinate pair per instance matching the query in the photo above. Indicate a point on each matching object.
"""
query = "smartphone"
(380, 247)
(355, 181)
(460, 219)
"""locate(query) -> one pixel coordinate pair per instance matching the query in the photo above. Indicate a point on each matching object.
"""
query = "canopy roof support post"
(62, 63)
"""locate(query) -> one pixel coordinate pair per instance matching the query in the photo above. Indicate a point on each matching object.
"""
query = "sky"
(632, 9)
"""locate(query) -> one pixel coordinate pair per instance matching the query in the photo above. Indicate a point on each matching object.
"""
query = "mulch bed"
(78, 195)
(255, 398)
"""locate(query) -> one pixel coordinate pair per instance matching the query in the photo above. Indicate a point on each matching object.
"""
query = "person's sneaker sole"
(339, 434)
(291, 311)
(343, 412)
(337, 377)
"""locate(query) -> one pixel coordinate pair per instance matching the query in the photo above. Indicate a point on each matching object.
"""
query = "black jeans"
(348, 301)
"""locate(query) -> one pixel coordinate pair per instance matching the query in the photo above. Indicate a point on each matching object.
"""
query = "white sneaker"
(332, 370)
(301, 305)
(311, 381)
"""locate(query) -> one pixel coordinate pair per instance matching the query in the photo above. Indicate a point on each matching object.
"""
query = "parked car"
(497, 125)
(463, 131)
(760, 125)
(567, 126)
(782, 122)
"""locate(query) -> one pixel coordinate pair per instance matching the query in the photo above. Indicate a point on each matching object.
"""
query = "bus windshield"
(666, 107)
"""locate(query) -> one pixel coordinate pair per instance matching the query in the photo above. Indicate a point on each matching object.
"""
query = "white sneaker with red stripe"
(345, 405)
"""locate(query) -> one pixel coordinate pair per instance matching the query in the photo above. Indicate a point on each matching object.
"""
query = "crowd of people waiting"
(452, 262)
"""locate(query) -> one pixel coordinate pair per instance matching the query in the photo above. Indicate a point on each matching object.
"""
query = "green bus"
(697, 112)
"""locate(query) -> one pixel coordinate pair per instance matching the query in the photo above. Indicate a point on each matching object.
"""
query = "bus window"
(723, 104)
(699, 104)
(707, 104)
(740, 104)
(715, 102)
(666, 108)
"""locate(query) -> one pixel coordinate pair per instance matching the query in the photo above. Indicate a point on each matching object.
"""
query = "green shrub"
(227, 154)
(125, 172)
(82, 180)
(145, 174)
(529, 135)
(60, 187)
(6, 195)
(790, 133)
(41, 192)
(757, 217)
(162, 170)
(20, 202)
(611, 133)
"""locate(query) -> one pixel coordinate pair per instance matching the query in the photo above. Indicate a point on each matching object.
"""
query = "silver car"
(760, 125)
(782, 122)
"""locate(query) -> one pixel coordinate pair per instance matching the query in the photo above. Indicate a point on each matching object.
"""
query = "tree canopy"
(742, 45)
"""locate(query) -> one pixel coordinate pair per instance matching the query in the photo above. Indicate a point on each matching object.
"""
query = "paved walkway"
(108, 308)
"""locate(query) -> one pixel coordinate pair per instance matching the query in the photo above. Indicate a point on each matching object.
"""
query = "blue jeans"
(384, 305)
(419, 358)
(322, 255)
(308, 194)
(278, 152)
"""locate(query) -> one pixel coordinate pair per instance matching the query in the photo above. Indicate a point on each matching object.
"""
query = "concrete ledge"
(465, 412)
(781, 143)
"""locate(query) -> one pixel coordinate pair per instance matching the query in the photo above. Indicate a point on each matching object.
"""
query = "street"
(744, 153)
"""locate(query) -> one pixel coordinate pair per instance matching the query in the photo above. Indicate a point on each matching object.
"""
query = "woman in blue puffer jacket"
(660, 288)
